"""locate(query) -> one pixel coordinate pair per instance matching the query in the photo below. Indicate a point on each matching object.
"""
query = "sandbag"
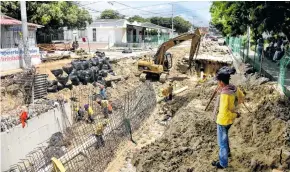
(89, 75)
(77, 65)
(95, 69)
(56, 72)
(52, 89)
(81, 75)
(105, 67)
(100, 66)
(104, 73)
(60, 86)
(85, 64)
(95, 61)
(101, 60)
(51, 83)
(68, 68)
(69, 85)
(100, 54)
(75, 82)
(62, 79)
(84, 82)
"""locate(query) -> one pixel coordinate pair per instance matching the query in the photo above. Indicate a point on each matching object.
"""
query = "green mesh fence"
(235, 44)
(240, 49)
(284, 76)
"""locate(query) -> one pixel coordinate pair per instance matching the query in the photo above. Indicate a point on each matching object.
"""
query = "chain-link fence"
(80, 148)
(284, 75)
(261, 60)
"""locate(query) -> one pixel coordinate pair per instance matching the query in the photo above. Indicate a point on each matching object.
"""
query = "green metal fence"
(263, 65)
(284, 77)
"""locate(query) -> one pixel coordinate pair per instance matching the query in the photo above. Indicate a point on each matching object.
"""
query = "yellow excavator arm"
(163, 62)
(195, 42)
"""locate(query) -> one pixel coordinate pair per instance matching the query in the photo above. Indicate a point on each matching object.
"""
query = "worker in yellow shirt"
(90, 113)
(105, 106)
(230, 97)
(100, 127)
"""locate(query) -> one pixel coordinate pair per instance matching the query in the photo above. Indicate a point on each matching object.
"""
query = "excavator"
(162, 60)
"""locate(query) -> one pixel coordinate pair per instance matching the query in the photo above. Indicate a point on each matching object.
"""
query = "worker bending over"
(89, 112)
(230, 97)
(99, 133)
(80, 113)
(168, 92)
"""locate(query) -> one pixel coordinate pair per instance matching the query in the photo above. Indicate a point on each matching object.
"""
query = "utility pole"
(172, 22)
(25, 56)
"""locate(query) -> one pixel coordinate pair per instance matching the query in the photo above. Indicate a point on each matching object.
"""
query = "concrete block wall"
(18, 142)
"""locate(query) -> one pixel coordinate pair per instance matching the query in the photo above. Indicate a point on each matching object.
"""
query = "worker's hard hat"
(86, 106)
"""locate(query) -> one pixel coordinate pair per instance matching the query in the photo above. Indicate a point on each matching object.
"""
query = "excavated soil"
(258, 139)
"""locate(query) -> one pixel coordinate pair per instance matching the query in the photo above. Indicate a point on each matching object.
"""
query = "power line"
(145, 6)
(81, 5)
(134, 8)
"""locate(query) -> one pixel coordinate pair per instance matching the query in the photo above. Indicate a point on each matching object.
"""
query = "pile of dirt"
(259, 140)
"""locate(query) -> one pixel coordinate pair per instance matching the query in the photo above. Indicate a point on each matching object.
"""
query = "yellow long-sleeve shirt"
(227, 107)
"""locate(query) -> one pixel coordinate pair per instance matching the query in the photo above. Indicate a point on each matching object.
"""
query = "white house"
(110, 32)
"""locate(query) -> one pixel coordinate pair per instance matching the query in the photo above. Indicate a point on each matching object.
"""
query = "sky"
(197, 12)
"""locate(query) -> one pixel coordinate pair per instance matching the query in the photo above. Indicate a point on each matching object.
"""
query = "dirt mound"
(258, 140)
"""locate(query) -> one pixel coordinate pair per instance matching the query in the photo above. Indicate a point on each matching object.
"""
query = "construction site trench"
(147, 134)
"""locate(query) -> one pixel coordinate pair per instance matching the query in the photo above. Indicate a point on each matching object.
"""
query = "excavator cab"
(167, 61)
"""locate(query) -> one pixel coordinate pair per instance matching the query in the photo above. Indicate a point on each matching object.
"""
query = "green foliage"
(153, 32)
(138, 19)
(111, 14)
(51, 14)
(179, 24)
(232, 18)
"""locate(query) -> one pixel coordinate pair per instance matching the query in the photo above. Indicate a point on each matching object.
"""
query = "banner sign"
(10, 57)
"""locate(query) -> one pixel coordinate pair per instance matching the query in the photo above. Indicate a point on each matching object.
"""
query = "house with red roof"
(11, 32)
(11, 51)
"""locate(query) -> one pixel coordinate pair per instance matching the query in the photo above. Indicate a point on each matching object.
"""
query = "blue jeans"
(223, 142)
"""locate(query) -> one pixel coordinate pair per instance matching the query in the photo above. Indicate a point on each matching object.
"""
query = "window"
(94, 35)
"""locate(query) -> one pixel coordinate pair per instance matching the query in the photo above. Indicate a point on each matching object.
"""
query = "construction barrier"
(77, 149)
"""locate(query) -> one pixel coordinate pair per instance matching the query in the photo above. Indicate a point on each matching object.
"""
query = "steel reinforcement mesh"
(76, 148)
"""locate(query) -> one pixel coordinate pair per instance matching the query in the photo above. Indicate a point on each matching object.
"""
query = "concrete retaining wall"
(18, 142)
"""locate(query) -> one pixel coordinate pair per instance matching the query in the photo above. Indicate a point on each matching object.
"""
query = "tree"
(111, 14)
(232, 18)
(179, 24)
(138, 18)
(52, 14)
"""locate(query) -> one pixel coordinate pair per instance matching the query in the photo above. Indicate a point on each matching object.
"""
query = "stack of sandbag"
(81, 72)
(62, 79)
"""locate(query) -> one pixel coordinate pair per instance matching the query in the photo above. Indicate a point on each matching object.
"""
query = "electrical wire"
(133, 7)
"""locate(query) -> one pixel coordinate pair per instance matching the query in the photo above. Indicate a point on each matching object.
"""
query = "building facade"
(117, 32)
